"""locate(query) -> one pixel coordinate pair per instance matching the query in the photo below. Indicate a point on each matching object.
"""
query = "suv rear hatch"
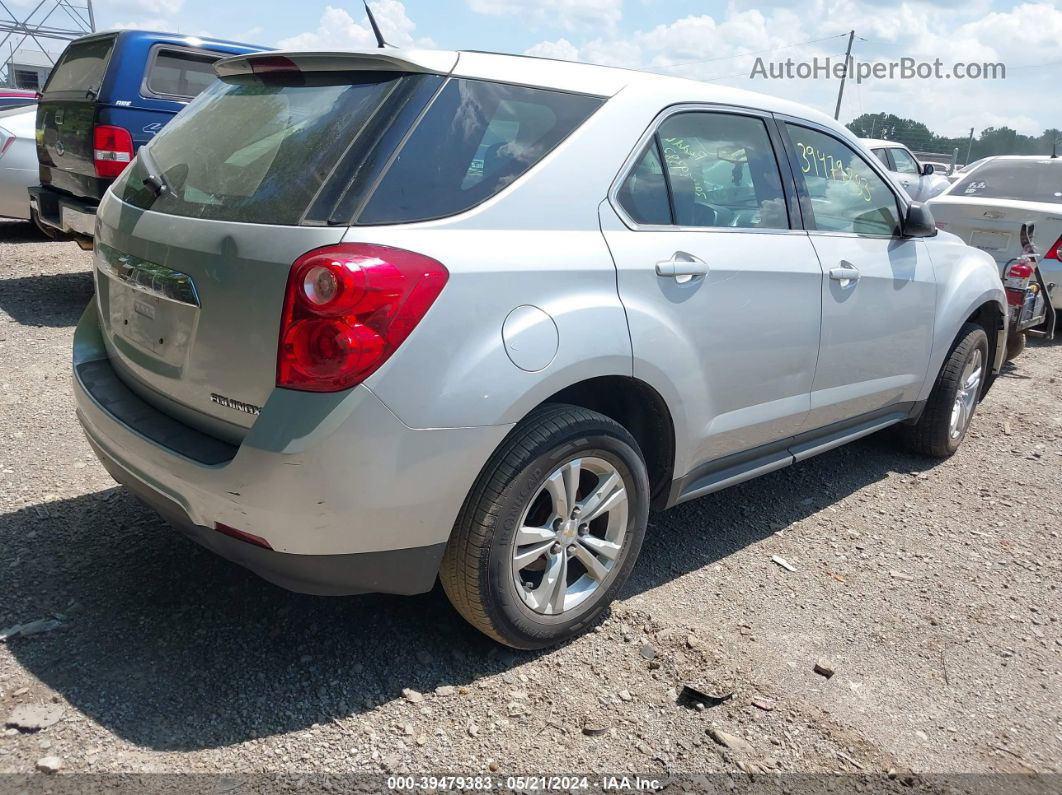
(197, 238)
(66, 117)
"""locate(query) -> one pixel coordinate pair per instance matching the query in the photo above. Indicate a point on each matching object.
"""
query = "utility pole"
(50, 20)
(969, 146)
(844, 74)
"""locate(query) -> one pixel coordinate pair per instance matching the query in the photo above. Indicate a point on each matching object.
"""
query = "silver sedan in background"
(987, 206)
(920, 180)
(18, 161)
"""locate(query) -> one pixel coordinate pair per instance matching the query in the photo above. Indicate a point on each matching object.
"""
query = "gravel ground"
(931, 588)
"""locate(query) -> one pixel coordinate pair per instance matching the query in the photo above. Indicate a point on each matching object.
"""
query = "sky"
(712, 40)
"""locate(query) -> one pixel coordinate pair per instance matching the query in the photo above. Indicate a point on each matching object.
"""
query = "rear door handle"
(846, 274)
(682, 266)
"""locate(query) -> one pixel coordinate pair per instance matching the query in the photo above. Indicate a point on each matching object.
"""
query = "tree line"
(990, 141)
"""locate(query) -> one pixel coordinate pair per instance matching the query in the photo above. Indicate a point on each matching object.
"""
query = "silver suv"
(367, 320)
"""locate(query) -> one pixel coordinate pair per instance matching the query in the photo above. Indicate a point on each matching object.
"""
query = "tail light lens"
(1056, 251)
(1020, 271)
(112, 150)
(347, 308)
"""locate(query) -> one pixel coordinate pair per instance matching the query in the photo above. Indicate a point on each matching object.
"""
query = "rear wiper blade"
(154, 180)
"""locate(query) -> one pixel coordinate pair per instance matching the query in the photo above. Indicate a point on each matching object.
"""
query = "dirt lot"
(931, 588)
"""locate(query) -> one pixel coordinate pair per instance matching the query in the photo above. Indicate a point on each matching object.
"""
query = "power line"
(754, 52)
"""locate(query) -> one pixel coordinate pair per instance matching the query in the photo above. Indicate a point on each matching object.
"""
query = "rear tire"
(1015, 345)
(953, 401)
(557, 465)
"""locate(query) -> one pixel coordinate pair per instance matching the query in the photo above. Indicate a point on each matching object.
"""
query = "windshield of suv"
(1024, 180)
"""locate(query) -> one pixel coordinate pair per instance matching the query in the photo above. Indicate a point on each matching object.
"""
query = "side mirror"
(927, 169)
(919, 221)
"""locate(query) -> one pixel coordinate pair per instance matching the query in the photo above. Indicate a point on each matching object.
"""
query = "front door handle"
(682, 266)
(846, 274)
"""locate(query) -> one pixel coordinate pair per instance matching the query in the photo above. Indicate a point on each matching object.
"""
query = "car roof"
(1015, 158)
(876, 143)
(155, 35)
(532, 71)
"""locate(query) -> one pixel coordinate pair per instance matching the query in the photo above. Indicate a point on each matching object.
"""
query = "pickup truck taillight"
(347, 308)
(1017, 279)
(112, 150)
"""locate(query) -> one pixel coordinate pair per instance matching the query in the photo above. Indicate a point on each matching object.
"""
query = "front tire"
(953, 401)
(551, 529)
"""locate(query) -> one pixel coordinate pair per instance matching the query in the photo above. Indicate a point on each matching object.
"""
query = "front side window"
(475, 140)
(905, 164)
(175, 73)
(844, 192)
(722, 171)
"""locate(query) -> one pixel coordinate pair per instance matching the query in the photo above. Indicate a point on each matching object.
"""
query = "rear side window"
(81, 67)
(721, 172)
(177, 73)
(845, 193)
(644, 192)
(884, 158)
(475, 139)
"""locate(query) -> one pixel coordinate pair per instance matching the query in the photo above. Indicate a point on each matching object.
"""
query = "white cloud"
(157, 8)
(723, 48)
(338, 30)
(564, 14)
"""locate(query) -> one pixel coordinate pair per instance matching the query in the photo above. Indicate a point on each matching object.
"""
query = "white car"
(921, 181)
(995, 196)
(18, 161)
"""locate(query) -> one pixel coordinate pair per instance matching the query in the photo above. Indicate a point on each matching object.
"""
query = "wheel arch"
(993, 319)
(969, 291)
(640, 409)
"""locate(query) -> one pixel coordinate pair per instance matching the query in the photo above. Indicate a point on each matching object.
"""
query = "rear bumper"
(350, 499)
(400, 571)
(63, 213)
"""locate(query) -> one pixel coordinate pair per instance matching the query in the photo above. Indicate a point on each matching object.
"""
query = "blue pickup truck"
(106, 97)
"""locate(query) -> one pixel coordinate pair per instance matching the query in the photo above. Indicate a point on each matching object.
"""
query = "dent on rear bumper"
(318, 474)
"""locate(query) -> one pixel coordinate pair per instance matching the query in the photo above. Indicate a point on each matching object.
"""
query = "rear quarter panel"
(539, 244)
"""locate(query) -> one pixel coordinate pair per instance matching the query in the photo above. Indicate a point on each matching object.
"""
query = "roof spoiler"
(439, 62)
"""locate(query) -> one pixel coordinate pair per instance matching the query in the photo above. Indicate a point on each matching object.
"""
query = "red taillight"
(112, 150)
(1020, 270)
(347, 309)
(1056, 251)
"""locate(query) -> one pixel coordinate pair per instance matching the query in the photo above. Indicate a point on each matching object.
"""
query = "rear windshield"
(245, 150)
(176, 73)
(1025, 180)
(81, 67)
(336, 148)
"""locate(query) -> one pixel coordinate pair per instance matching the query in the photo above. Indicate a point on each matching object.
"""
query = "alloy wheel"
(570, 536)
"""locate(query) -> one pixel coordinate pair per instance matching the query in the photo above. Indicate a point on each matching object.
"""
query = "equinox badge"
(239, 405)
